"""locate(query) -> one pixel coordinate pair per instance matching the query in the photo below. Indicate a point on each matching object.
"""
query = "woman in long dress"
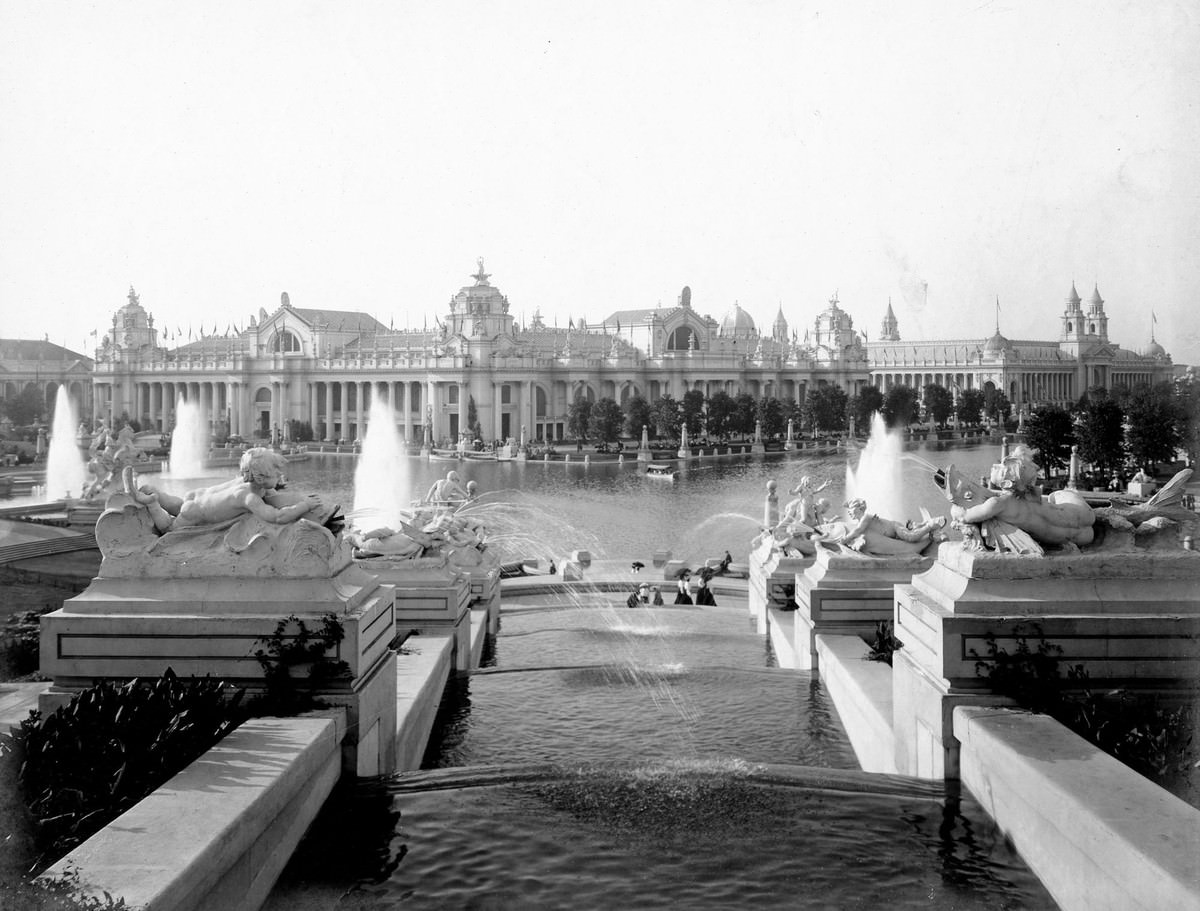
(704, 594)
(682, 597)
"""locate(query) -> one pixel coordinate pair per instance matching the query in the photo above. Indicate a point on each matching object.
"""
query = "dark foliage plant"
(885, 643)
(293, 646)
(110, 746)
(1154, 739)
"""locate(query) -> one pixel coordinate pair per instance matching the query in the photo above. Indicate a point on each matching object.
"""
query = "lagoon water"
(549, 509)
(648, 758)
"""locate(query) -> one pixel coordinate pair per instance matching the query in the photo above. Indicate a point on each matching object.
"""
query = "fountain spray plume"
(66, 473)
(382, 486)
(189, 441)
(878, 479)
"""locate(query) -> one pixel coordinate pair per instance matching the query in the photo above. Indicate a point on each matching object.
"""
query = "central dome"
(738, 323)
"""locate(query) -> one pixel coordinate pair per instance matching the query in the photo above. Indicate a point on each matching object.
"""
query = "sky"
(601, 155)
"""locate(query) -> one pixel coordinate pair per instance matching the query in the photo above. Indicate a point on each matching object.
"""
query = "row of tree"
(1145, 425)
(825, 410)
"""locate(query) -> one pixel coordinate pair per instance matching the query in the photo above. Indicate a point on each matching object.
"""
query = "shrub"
(113, 744)
(301, 650)
(1151, 738)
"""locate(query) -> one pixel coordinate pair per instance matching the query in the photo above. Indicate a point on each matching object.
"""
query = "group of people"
(704, 595)
(652, 594)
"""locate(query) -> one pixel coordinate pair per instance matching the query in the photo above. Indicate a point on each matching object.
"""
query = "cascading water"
(879, 478)
(382, 484)
(66, 472)
(189, 441)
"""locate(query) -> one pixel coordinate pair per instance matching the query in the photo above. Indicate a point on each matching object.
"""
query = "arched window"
(1070, 326)
(1091, 328)
(285, 342)
(682, 339)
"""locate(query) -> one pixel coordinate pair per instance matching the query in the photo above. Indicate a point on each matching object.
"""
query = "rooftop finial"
(481, 277)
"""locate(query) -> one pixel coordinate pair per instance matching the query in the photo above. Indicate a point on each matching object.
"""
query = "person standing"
(683, 597)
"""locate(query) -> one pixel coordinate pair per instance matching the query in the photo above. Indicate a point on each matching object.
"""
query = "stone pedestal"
(432, 598)
(202, 600)
(1131, 620)
(772, 581)
(847, 593)
(121, 628)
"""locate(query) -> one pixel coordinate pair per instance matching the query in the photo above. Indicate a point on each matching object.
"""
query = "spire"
(1073, 297)
(1096, 304)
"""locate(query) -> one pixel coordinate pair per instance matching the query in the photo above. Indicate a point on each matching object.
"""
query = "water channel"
(649, 758)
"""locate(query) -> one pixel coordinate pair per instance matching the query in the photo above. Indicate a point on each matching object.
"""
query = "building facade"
(42, 367)
(1029, 372)
(325, 367)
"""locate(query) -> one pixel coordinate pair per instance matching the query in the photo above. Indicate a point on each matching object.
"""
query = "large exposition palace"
(323, 366)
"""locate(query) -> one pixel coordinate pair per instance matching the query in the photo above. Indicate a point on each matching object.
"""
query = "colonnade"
(1025, 387)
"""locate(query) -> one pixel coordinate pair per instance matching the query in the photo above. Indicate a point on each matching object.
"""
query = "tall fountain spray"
(66, 472)
(878, 477)
(382, 487)
(189, 441)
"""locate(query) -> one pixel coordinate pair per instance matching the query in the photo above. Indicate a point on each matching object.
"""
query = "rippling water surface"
(610, 758)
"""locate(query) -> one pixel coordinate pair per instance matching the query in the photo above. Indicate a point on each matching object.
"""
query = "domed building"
(323, 367)
(1030, 372)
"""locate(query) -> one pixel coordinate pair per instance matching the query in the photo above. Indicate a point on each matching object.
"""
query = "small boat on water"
(445, 455)
(661, 470)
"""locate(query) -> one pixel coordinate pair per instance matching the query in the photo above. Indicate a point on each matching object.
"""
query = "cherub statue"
(872, 534)
(449, 491)
(803, 508)
(260, 472)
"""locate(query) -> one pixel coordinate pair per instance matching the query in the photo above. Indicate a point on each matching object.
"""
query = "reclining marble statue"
(250, 525)
(877, 536)
(1018, 519)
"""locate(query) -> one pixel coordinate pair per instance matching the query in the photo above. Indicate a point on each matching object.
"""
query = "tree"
(473, 419)
(996, 405)
(770, 414)
(825, 409)
(1156, 420)
(721, 408)
(693, 412)
(637, 416)
(1189, 403)
(24, 408)
(863, 406)
(605, 420)
(578, 417)
(745, 414)
(939, 403)
(970, 407)
(900, 406)
(1050, 433)
(666, 417)
(1100, 433)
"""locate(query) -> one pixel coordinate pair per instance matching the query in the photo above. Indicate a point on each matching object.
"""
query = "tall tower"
(779, 330)
(889, 329)
(1083, 329)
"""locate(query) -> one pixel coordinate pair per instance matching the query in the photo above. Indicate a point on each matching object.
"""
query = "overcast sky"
(600, 156)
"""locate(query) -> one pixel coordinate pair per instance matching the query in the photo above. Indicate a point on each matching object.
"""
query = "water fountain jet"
(382, 487)
(878, 479)
(66, 473)
(189, 441)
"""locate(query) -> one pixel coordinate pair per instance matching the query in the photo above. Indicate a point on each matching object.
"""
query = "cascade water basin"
(609, 757)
